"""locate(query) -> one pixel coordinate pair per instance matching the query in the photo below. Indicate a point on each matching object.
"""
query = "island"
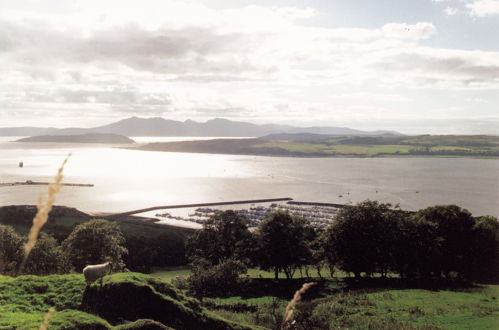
(80, 138)
(318, 145)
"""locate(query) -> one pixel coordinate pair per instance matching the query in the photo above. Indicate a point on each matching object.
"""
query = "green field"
(25, 300)
(442, 145)
(333, 306)
(298, 145)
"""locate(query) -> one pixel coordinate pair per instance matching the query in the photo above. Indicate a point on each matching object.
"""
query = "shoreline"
(316, 156)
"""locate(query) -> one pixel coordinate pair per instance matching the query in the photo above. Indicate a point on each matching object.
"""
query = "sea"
(126, 179)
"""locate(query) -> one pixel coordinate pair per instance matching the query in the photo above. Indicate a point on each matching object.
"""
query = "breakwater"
(317, 204)
(179, 206)
(37, 183)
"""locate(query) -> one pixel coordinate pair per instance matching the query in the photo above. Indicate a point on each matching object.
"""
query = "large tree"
(281, 242)
(362, 238)
(224, 236)
(486, 249)
(47, 257)
(94, 242)
(453, 230)
(11, 250)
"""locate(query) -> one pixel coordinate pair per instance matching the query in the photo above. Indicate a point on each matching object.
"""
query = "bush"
(46, 258)
(219, 280)
(11, 250)
(95, 242)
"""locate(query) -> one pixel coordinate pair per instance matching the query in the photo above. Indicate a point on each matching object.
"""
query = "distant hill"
(164, 127)
(83, 138)
(315, 145)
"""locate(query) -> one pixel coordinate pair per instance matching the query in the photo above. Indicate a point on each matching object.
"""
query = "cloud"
(482, 8)
(182, 58)
(451, 11)
(418, 31)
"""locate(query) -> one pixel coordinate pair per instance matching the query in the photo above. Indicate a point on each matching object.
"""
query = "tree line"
(364, 239)
(438, 242)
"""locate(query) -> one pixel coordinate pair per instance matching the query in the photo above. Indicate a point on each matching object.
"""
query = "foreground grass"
(25, 300)
(333, 305)
(475, 308)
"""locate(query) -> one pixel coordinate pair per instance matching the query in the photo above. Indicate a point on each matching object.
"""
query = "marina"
(320, 215)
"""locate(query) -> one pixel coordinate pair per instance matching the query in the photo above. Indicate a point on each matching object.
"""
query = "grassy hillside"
(376, 303)
(356, 146)
(25, 300)
(150, 301)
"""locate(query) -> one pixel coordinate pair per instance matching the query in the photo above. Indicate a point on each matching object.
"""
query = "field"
(356, 146)
(333, 303)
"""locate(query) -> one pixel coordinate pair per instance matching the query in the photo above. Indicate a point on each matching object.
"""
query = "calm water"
(126, 179)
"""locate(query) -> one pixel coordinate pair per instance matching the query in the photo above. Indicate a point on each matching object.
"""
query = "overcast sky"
(416, 66)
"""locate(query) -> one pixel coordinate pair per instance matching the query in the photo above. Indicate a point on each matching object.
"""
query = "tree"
(281, 243)
(319, 255)
(453, 227)
(141, 253)
(11, 250)
(485, 249)
(47, 257)
(362, 238)
(95, 242)
(224, 236)
(221, 279)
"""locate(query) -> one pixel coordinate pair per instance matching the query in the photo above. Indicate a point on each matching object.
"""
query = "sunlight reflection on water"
(128, 179)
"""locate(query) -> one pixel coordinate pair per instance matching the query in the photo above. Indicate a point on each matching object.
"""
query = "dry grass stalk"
(44, 209)
(288, 315)
(46, 319)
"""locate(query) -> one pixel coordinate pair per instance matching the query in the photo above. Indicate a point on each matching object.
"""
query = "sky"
(415, 66)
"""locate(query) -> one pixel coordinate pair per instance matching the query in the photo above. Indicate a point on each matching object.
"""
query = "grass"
(25, 300)
(333, 305)
(473, 309)
(169, 273)
(410, 309)
(387, 309)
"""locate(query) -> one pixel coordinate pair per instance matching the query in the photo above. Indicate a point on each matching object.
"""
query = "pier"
(339, 206)
(179, 206)
(37, 183)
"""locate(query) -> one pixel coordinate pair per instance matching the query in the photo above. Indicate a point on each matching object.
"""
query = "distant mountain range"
(164, 127)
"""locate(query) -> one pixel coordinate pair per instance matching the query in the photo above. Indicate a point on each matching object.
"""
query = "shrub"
(46, 258)
(11, 252)
(95, 242)
(222, 279)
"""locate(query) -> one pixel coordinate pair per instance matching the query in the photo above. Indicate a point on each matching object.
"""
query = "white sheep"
(93, 272)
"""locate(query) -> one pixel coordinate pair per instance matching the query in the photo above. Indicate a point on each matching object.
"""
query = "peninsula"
(318, 145)
(80, 138)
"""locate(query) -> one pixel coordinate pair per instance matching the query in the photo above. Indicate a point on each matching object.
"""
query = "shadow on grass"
(285, 288)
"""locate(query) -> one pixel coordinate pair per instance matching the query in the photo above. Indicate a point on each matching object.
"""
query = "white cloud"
(484, 7)
(184, 59)
(451, 11)
(418, 31)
